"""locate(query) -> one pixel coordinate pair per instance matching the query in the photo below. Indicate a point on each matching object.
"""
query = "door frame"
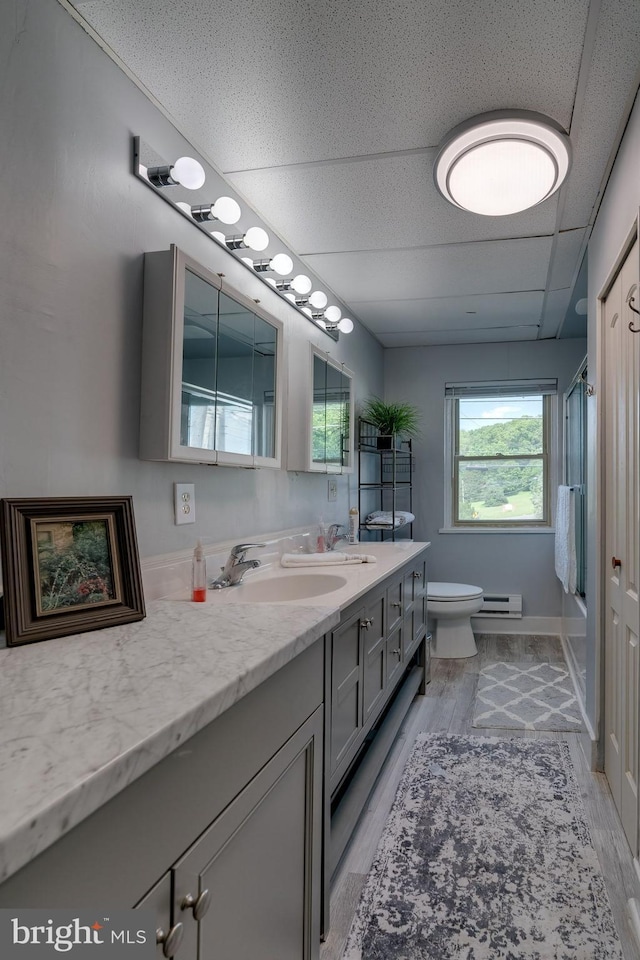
(599, 557)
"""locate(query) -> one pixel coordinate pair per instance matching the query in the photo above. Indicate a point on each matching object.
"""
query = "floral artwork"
(74, 564)
(69, 564)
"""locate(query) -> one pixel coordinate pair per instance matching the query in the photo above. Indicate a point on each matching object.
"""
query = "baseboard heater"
(501, 605)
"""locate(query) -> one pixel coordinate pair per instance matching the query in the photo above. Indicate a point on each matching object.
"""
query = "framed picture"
(70, 564)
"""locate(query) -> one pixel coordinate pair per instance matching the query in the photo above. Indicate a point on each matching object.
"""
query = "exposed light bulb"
(318, 299)
(301, 283)
(219, 236)
(333, 314)
(281, 264)
(188, 172)
(248, 261)
(291, 297)
(307, 311)
(226, 210)
(184, 206)
(321, 323)
(256, 238)
(272, 282)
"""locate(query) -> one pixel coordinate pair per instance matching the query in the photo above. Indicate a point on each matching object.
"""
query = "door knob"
(366, 623)
(199, 905)
(615, 562)
(170, 941)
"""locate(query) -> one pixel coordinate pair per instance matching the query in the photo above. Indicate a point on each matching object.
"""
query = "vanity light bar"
(189, 173)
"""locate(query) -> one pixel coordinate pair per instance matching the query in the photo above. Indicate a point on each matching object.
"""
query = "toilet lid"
(453, 591)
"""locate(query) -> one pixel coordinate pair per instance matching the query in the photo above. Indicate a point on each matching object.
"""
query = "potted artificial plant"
(394, 421)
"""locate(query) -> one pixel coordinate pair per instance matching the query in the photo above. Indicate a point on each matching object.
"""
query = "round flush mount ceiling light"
(502, 162)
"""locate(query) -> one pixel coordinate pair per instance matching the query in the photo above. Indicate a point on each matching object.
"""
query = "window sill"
(492, 530)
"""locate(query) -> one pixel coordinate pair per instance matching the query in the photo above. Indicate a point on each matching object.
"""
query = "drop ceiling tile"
(374, 204)
(264, 83)
(461, 269)
(555, 307)
(566, 259)
(457, 336)
(610, 84)
(454, 313)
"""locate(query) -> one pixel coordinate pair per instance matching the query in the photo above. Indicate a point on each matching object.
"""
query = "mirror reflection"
(331, 428)
(228, 373)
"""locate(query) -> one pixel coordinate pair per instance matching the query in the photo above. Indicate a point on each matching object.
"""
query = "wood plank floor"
(447, 707)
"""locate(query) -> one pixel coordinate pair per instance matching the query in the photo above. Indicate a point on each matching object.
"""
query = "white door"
(621, 543)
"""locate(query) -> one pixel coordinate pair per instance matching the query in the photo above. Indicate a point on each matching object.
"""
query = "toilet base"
(453, 639)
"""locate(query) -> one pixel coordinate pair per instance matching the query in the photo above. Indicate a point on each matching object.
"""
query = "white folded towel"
(385, 518)
(565, 546)
(324, 559)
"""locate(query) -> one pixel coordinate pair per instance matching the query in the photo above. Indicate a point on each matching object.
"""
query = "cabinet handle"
(366, 623)
(397, 652)
(396, 603)
(615, 562)
(417, 575)
(199, 905)
(170, 941)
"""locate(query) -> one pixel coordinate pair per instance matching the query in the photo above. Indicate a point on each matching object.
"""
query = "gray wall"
(75, 224)
(511, 562)
(615, 220)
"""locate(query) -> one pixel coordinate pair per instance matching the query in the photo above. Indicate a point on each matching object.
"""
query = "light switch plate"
(332, 489)
(184, 498)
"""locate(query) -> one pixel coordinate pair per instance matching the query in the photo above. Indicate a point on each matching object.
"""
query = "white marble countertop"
(84, 716)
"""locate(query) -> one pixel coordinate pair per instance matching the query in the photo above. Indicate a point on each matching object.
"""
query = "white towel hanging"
(565, 545)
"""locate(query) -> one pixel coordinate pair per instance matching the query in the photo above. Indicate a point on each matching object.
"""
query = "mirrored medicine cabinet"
(211, 369)
(328, 412)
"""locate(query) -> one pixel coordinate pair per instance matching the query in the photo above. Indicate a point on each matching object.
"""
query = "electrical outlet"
(332, 489)
(184, 500)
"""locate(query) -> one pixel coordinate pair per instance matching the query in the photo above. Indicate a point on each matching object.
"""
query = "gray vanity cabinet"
(236, 810)
(379, 649)
(251, 870)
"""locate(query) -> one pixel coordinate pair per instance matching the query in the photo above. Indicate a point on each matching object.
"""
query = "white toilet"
(452, 605)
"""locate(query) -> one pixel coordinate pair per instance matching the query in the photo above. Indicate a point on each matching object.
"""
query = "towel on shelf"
(324, 559)
(384, 519)
(565, 545)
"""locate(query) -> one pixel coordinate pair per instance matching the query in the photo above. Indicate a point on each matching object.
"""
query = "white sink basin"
(288, 587)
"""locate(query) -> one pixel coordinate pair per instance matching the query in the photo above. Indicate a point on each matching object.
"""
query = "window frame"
(453, 459)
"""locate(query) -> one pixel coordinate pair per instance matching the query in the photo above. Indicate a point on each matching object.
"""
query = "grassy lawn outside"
(521, 507)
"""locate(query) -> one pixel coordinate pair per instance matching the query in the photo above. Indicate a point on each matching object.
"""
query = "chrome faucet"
(236, 566)
(333, 536)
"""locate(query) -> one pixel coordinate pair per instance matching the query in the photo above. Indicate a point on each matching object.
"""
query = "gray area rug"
(529, 696)
(486, 855)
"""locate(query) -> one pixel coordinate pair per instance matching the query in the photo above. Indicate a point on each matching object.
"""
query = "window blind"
(501, 388)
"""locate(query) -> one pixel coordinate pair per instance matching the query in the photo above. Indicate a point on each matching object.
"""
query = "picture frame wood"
(70, 564)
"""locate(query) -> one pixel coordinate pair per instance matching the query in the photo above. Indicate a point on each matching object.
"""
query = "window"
(499, 453)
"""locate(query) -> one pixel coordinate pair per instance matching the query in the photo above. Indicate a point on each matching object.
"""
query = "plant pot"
(385, 442)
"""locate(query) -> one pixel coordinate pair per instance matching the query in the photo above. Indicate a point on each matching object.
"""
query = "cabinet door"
(395, 605)
(395, 654)
(374, 654)
(158, 901)
(415, 607)
(346, 687)
(211, 369)
(258, 865)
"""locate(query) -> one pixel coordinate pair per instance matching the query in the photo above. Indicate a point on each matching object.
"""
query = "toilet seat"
(453, 591)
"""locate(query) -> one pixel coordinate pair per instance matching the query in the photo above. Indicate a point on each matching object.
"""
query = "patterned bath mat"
(529, 696)
(486, 855)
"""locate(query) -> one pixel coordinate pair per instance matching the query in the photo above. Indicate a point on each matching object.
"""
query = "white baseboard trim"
(588, 738)
(543, 626)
